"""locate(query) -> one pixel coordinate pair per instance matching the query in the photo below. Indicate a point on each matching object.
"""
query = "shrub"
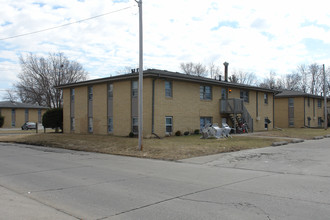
(53, 118)
(131, 134)
(2, 121)
(178, 133)
(196, 131)
(186, 133)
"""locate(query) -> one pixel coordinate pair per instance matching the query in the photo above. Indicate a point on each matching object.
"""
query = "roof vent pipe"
(226, 71)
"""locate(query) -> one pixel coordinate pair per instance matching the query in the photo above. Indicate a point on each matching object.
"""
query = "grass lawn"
(170, 148)
(303, 133)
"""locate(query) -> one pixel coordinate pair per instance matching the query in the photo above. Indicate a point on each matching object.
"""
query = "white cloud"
(259, 36)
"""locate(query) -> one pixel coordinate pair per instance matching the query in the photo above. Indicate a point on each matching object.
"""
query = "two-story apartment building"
(16, 113)
(298, 109)
(171, 102)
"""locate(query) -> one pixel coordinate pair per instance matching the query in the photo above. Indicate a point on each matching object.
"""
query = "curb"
(297, 141)
(318, 137)
(327, 136)
(275, 144)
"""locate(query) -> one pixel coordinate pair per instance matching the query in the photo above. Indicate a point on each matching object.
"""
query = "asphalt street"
(285, 182)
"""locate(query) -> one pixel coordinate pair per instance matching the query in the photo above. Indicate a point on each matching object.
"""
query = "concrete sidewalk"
(18, 206)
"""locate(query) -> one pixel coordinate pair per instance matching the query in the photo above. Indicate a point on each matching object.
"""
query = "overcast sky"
(255, 36)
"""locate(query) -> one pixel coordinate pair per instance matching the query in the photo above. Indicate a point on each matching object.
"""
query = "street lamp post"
(140, 93)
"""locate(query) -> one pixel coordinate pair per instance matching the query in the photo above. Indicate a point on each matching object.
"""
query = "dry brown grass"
(170, 148)
(303, 133)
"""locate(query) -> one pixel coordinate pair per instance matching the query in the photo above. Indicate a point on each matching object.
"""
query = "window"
(291, 102)
(169, 124)
(135, 125)
(26, 115)
(110, 125)
(90, 93)
(72, 95)
(205, 92)
(13, 118)
(308, 102)
(90, 124)
(72, 124)
(110, 90)
(168, 89)
(319, 121)
(319, 103)
(134, 88)
(266, 98)
(267, 121)
(223, 93)
(244, 95)
(204, 121)
(39, 115)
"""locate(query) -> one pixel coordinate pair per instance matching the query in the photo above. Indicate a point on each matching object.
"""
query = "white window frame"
(135, 87)
(110, 124)
(135, 125)
(205, 121)
(203, 95)
(244, 95)
(168, 91)
(169, 124)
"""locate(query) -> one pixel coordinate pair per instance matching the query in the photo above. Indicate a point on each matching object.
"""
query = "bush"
(53, 118)
(2, 121)
(178, 133)
(186, 133)
(131, 134)
(196, 131)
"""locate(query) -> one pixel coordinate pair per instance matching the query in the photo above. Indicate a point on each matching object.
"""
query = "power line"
(64, 25)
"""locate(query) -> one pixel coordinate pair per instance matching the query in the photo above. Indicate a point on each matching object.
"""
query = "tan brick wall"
(100, 124)
(185, 106)
(20, 116)
(122, 108)
(81, 116)
(281, 113)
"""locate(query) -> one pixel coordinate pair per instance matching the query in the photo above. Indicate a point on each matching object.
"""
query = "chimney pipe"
(226, 71)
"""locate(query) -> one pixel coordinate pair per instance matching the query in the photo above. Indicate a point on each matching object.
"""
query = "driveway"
(286, 182)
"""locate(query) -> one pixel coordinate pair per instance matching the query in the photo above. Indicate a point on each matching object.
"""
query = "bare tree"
(271, 82)
(214, 70)
(40, 75)
(10, 95)
(293, 82)
(239, 76)
(197, 69)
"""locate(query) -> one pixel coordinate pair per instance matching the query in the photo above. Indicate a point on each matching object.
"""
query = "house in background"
(16, 113)
(171, 102)
(297, 109)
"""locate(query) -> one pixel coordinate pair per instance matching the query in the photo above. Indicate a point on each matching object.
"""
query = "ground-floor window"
(169, 124)
(110, 125)
(204, 121)
(135, 125)
(319, 121)
(72, 121)
(26, 115)
(90, 124)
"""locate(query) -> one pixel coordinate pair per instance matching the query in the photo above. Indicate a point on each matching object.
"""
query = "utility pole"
(325, 100)
(140, 94)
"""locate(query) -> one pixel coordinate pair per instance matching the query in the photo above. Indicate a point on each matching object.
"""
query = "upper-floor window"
(223, 93)
(205, 92)
(266, 98)
(39, 116)
(134, 88)
(244, 94)
(319, 103)
(72, 95)
(110, 90)
(308, 102)
(26, 115)
(168, 89)
(90, 93)
(291, 102)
